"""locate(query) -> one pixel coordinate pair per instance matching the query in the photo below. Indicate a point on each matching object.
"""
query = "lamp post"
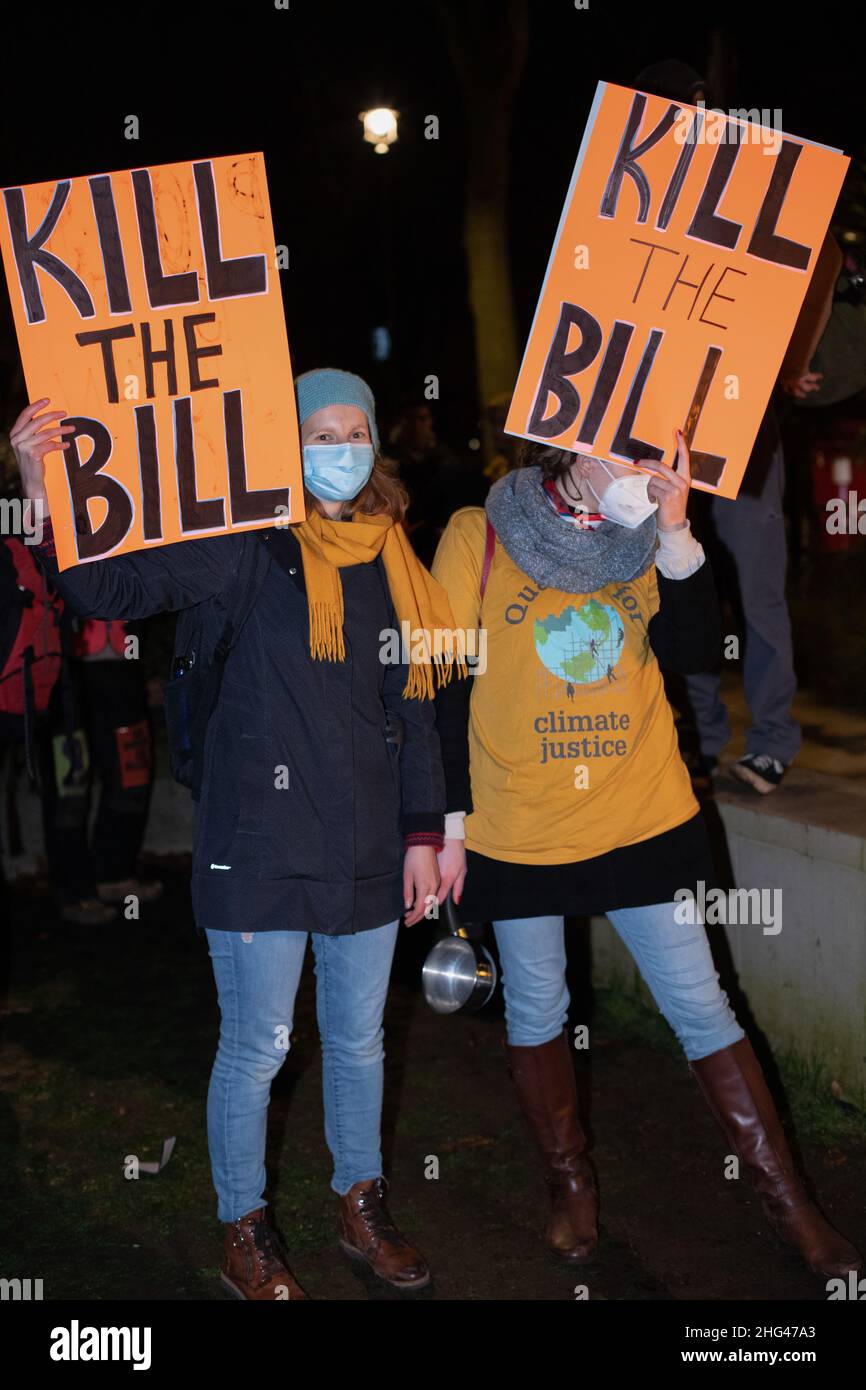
(380, 131)
(380, 127)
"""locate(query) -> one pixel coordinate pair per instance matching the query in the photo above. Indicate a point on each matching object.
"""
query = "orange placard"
(134, 753)
(680, 263)
(148, 306)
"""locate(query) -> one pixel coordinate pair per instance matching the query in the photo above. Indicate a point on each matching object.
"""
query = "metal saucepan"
(458, 973)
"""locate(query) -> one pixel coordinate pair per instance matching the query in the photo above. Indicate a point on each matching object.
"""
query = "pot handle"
(451, 917)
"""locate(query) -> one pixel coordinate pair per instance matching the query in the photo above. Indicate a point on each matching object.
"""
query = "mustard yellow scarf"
(419, 599)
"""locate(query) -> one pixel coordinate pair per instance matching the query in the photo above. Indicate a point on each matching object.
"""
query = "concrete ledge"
(806, 986)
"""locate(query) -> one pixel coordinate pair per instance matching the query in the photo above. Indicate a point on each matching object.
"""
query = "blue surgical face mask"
(337, 472)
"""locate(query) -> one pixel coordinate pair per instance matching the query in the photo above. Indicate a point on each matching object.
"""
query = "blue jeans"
(257, 978)
(674, 960)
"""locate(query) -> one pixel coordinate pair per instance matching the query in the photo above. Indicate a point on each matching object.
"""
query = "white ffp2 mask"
(625, 499)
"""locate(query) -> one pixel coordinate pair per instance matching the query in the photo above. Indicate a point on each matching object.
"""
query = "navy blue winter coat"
(325, 852)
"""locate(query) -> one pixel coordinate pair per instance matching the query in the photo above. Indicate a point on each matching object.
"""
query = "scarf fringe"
(327, 644)
(420, 685)
(326, 633)
(417, 597)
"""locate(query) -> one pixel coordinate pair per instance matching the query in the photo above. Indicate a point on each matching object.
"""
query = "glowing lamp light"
(380, 127)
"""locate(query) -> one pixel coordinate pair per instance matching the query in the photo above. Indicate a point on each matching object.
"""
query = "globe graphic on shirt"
(580, 645)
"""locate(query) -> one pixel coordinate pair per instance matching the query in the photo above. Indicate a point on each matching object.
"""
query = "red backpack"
(31, 664)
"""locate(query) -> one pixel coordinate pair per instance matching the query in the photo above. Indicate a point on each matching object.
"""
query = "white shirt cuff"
(454, 825)
(679, 555)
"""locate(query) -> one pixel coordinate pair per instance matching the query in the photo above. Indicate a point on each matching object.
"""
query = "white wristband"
(455, 828)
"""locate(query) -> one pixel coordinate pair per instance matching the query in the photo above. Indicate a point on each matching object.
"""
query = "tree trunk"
(488, 46)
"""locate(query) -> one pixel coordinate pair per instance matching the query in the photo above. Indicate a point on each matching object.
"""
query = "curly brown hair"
(383, 494)
(553, 462)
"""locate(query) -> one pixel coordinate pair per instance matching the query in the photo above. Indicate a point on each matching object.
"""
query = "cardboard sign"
(134, 754)
(148, 306)
(681, 260)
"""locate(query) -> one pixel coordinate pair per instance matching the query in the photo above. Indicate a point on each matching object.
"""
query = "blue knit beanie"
(329, 386)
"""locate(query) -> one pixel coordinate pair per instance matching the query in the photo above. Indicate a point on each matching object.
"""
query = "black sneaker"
(760, 771)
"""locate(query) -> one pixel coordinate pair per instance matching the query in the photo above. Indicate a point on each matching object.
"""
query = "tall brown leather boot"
(736, 1092)
(544, 1080)
(254, 1264)
(367, 1233)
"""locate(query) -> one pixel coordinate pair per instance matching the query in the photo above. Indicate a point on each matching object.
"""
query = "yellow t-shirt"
(572, 745)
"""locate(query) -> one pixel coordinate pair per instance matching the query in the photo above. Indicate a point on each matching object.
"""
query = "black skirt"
(635, 876)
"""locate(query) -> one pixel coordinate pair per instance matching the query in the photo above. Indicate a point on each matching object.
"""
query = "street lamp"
(380, 127)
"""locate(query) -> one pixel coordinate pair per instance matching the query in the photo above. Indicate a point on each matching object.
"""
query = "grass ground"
(108, 1041)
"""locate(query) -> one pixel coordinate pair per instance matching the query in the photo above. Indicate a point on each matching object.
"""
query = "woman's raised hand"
(32, 437)
(670, 487)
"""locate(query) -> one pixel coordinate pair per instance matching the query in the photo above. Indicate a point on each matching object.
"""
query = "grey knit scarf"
(555, 553)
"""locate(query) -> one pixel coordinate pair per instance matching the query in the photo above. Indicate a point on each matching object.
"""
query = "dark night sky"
(206, 80)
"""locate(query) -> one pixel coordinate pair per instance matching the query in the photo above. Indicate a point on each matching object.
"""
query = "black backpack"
(204, 638)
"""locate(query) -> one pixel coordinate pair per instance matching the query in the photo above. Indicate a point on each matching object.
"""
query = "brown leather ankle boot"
(544, 1080)
(254, 1264)
(368, 1233)
(736, 1092)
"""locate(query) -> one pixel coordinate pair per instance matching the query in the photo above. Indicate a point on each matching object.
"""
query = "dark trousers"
(749, 533)
(110, 707)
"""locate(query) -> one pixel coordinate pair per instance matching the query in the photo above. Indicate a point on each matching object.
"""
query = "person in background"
(429, 471)
(503, 448)
(749, 533)
(31, 658)
(79, 709)
(100, 729)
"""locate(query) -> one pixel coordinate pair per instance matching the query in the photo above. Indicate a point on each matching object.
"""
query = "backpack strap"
(30, 752)
(489, 547)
